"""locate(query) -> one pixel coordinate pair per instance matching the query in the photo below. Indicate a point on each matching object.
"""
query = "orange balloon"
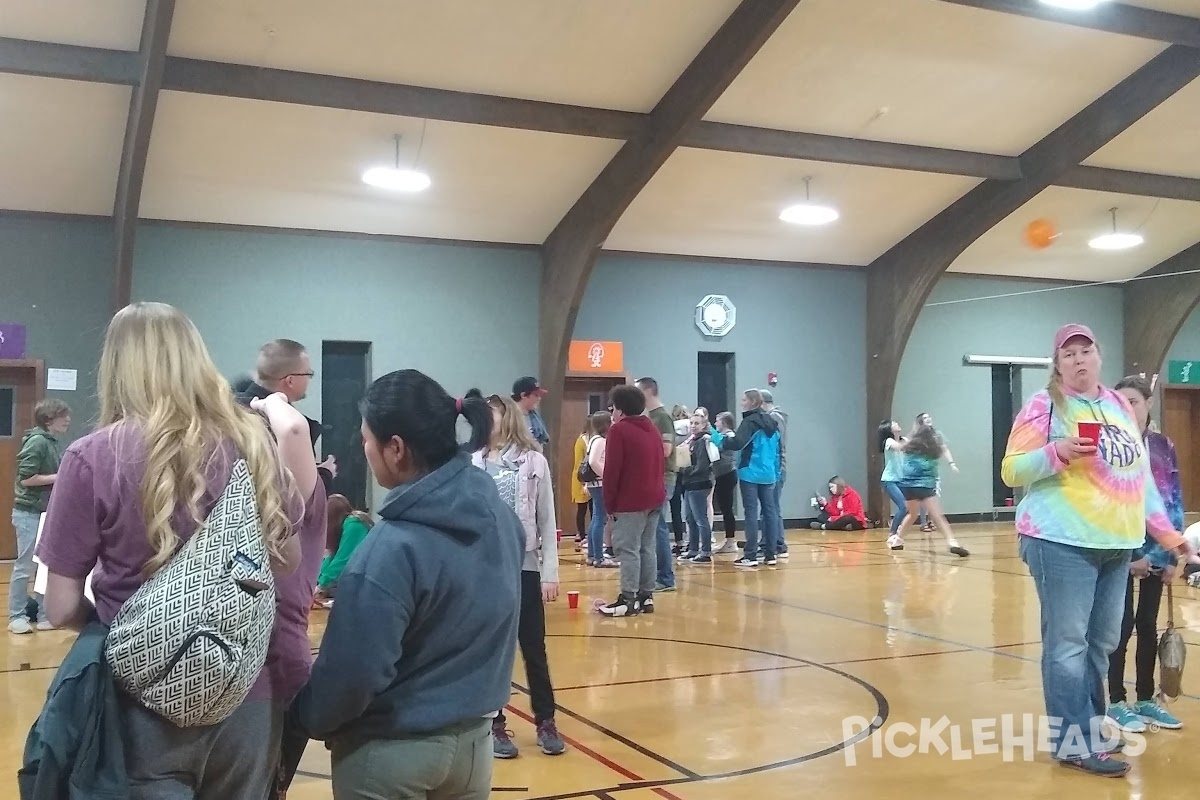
(1040, 233)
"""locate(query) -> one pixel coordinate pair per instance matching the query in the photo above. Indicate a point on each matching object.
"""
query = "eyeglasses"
(300, 375)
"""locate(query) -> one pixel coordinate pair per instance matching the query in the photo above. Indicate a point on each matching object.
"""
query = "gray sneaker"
(20, 626)
(549, 740)
(502, 744)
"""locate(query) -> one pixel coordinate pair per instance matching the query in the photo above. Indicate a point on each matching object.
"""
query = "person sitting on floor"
(344, 532)
(843, 511)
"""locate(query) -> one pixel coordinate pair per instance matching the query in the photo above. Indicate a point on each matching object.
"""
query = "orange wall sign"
(598, 357)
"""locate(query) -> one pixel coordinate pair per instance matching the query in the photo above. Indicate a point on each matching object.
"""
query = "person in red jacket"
(634, 490)
(843, 511)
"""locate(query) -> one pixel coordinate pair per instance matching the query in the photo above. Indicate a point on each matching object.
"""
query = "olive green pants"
(452, 764)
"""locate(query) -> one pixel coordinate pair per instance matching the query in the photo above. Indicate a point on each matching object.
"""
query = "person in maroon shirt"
(634, 492)
(170, 429)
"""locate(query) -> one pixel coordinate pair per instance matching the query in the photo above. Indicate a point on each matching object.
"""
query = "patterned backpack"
(190, 643)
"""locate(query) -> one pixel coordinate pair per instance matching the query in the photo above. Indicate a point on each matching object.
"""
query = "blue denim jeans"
(699, 529)
(1082, 597)
(755, 496)
(662, 539)
(595, 537)
(892, 488)
(25, 523)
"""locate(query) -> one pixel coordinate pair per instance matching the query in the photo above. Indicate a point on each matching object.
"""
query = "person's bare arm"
(39, 480)
(295, 453)
(66, 604)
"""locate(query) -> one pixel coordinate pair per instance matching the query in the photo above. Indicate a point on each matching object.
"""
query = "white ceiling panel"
(246, 162)
(60, 144)
(113, 24)
(620, 54)
(1165, 141)
(947, 75)
(1168, 227)
(727, 204)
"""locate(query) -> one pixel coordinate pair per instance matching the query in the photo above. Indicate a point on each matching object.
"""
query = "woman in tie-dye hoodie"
(1088, 506)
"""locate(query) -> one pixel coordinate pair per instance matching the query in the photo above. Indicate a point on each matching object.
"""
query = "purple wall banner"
(12, 340)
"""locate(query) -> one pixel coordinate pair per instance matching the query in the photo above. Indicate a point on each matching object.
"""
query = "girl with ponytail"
(419, 650)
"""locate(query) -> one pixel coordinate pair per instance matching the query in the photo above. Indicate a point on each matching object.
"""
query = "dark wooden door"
(20, 390)
(582, 397)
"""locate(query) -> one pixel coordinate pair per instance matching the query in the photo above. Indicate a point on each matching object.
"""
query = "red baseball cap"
(1070, 331)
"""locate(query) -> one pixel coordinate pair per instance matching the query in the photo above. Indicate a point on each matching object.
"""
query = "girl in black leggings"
(725, 485)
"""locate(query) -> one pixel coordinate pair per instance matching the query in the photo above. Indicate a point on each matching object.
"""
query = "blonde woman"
(1090, 501)
(522, 475)
(128, 495)
(579, 492)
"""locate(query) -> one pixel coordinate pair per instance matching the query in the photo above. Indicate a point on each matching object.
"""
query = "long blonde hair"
(156, 374)
(512, 429)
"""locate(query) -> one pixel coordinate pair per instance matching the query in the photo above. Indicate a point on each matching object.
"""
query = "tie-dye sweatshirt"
(1107, 501)
(1164, 465)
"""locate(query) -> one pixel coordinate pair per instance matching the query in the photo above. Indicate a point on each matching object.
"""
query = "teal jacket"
(40, 454)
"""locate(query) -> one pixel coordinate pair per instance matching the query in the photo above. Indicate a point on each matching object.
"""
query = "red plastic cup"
(1090, 430)
(572, 599)
(559, 535)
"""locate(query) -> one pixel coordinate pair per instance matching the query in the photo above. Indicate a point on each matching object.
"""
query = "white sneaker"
(45, 625)
(894, 542)
(729, 546)
(20, 626)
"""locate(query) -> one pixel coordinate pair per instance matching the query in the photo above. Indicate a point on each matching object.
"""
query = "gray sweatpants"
(233, 760)
(451, 764)
(633, 544)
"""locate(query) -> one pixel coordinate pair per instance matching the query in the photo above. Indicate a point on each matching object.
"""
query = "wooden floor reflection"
(750, 684)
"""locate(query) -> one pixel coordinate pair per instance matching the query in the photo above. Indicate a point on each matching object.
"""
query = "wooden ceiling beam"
(1119, 18)
(1156, 307)
(570, 251)
(156, 31)
(899, 281)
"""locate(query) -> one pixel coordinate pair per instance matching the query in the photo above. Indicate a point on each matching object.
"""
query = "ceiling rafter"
(72, 62)
(1118, 18)
(900, 280)
(1156, 309)
(156, 31)
(570, 251)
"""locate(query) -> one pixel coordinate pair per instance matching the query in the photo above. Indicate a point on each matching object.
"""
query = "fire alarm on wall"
(772, 379)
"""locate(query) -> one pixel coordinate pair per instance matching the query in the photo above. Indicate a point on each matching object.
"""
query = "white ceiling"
(60, 144)
(728, 204)
(247, 162)
(114, 24)
(1168, 226)
(1165, 141)
(620, 54)
(950, 76)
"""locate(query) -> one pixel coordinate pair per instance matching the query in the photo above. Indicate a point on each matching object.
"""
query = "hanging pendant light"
(395, 178)
(1115, 240)
(808, 213)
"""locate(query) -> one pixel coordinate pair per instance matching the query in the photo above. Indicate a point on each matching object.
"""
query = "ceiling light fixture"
(807, 213)
(397, 179)
(1073, 5)
(1115, 240)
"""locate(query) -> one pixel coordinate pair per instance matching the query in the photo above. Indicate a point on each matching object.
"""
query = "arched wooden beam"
(901, 280)
(570, 251)
(1156, 308)
(156, 30)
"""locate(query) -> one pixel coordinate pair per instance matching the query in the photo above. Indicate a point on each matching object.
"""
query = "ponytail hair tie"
(458, 405)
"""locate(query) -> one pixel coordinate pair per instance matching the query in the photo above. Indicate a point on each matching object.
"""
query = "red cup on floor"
(559, 535)
(1090, 430)
(572, 599)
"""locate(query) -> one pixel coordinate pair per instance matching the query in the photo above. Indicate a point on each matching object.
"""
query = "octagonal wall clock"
(715, 315)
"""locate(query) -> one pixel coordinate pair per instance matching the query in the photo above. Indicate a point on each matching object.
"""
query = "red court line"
(587, 751)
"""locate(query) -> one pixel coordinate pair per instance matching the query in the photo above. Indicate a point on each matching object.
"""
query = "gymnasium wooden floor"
(741, 684)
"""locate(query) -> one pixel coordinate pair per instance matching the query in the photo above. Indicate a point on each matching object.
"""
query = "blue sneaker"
(1125, 718)
(1157, 716)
